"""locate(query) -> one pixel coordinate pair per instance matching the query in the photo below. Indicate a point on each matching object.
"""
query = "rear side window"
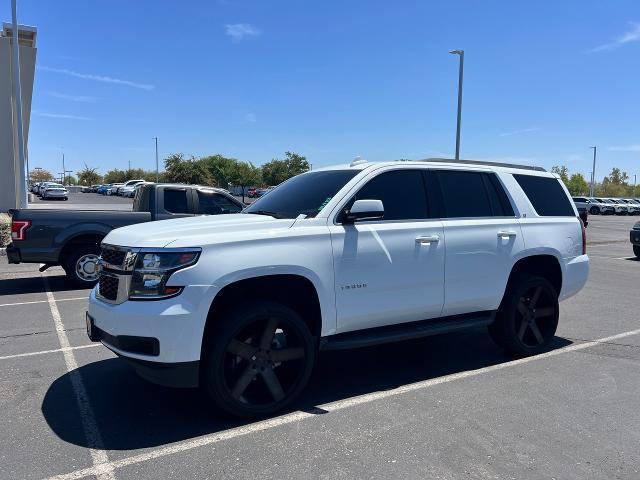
(546, 195)
(175, 201)
(401, 191)
(472, 195)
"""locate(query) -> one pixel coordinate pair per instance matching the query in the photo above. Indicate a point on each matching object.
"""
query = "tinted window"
(464, 194)
(175, 201)
(500, 204)
(141, 200)
(211, 203)
(402, 194)
(546, 195)
(305, 194)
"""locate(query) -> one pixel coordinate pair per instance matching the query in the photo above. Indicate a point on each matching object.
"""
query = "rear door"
(482, 235)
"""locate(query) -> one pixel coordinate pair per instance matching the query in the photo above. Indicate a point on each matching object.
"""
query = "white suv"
(338, 258)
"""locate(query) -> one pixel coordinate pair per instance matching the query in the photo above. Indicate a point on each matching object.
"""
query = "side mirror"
(364, 210)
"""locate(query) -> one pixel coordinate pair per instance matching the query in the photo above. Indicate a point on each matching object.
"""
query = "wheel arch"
(85, 238)
(291, 289)
(545, 265)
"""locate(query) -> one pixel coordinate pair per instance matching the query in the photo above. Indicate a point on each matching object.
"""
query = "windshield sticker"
(324, 204)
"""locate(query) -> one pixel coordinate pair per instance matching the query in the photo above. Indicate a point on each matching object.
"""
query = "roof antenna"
(357, 161)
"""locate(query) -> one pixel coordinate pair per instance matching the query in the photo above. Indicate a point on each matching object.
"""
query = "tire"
(528, 316)
(78, 268)
(636, 250)
(594, 211)
(257, 359)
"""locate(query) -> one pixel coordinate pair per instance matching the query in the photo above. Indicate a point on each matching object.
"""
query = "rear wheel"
(636, 250)
(80, 266)
(257, 360)
(528, 316)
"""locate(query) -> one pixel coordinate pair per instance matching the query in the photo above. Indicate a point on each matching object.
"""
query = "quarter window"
(402, 194)
(546, 195)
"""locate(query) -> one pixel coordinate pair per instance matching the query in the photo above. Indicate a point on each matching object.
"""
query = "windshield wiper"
(264, 212)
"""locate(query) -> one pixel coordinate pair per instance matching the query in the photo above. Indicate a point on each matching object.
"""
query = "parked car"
(34, 187)
(71, 238)
(339, 258)
(634, 236)
(621, 207)
(128, 183)
(55, 191)
(130, 190)
(634, 208)
(103, 189)
(94, 188)
(603, 207)
(114, 188)
(44, 185)
(85, 189)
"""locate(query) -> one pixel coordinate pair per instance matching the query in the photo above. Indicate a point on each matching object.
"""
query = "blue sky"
(544, 80)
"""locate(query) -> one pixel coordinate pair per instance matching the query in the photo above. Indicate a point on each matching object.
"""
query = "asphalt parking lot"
(443, 407)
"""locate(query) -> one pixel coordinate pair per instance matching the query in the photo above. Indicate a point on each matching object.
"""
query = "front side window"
(402, 193)
(175, 201)
(211, 203)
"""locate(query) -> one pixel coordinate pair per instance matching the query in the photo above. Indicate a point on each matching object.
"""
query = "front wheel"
(257, 359)
(636, 250)
(528, 316)
(594, 211)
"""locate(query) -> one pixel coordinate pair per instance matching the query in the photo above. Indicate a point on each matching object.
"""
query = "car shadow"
(34, 284)
(133, 414)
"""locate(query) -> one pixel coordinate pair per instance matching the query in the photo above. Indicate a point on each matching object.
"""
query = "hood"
(193, 231)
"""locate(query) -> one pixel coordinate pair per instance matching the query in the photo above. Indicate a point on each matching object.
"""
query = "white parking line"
(43, 301)
(330, 407)
(42, 352)
(89, 425)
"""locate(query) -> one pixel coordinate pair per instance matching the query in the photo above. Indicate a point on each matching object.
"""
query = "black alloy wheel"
(259, 360)
(528, 317)
(594, 211)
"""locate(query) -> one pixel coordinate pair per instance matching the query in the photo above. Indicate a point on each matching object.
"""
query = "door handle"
(506, 234)
(428, 239)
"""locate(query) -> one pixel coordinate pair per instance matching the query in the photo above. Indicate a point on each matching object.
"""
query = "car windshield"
(305, 194)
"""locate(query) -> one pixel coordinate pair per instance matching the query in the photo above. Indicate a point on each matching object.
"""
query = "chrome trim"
(122, 295)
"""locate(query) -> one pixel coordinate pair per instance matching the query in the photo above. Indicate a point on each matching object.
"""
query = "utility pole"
(593, 173)
(460, 77)
(129, 166)
(634, 186)
(157, 171)
(17, 96)
(64, 169)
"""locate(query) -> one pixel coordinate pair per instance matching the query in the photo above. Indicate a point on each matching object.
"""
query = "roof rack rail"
(484, 162)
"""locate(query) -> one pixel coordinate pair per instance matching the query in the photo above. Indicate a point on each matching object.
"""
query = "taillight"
(18, 229)
(584, 237)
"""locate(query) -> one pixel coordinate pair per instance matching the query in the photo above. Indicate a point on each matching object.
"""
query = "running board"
(405, 331)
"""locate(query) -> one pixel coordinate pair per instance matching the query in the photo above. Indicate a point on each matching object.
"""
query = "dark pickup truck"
(71, 238)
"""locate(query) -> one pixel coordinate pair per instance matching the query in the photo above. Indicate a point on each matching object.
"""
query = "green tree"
(181, 170)
(89, 176)
(221, 169)
(40, 175)
(577, 185)
(277, 171)
(115, 176)
(244, 175)
(563, 172)
(615, 184)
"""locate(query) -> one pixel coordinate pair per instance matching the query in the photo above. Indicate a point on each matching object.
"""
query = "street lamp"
(593, 173)
(157, 173)
(460, 76)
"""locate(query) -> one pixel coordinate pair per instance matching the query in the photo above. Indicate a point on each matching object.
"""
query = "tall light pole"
(17, 96)
(593, 173)
(634, 186)
(460, 77)
(157, 172)
(64, 170)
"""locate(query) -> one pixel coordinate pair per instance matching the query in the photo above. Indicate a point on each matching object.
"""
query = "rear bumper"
(13, 254)
(576, 273)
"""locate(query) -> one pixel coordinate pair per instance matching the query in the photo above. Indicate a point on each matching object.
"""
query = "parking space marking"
(330, 407)
(89, 425)
(43, 301)
(42, 352)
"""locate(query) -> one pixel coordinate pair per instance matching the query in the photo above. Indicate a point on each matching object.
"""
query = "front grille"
(113, 257)
(108, 287)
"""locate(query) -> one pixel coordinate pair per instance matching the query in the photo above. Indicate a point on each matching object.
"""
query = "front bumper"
(176, 323)
(634, 237)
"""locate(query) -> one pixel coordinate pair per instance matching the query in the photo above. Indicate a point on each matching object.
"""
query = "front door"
(391, 270)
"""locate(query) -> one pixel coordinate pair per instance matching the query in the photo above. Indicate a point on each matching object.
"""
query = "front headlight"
(153, 269)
